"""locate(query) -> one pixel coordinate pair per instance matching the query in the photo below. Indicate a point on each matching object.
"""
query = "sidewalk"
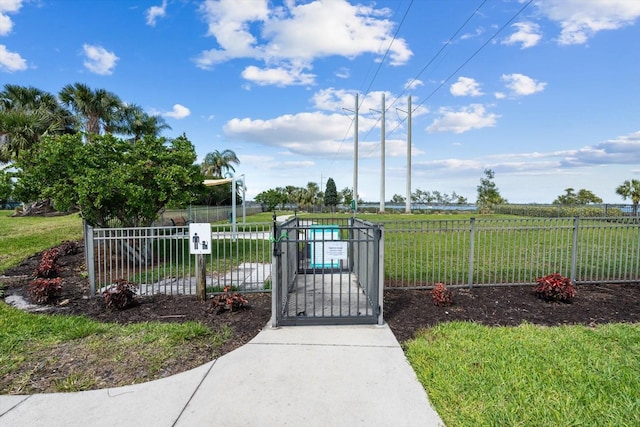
(305, 375)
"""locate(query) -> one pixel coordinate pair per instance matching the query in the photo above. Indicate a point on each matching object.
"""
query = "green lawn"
(22, 237)
(530, 375)
(136, 352)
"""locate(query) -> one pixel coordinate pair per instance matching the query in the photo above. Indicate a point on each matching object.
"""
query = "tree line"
(86, 149)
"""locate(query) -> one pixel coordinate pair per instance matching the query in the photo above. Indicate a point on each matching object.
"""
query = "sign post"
(200, 245)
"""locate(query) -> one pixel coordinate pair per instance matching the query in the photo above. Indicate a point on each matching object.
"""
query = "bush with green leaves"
(110, 179)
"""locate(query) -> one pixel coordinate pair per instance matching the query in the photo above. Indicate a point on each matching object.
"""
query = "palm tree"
(309, 195)
(26, 114)
(216, 163)
(630, 189)
(96, 107)
(132, 120)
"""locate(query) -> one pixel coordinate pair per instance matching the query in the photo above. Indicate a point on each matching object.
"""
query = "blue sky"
(544, 92)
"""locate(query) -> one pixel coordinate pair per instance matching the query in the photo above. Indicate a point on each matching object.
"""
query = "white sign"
(199, 238)
(335, 250)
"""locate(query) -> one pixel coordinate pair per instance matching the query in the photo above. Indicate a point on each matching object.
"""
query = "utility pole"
(355, 160)
(407, 207)
(382, 156)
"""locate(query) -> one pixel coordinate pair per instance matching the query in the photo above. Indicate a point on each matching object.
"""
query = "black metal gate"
(327, 271)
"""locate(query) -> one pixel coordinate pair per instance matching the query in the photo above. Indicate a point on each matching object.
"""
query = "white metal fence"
(418, 254)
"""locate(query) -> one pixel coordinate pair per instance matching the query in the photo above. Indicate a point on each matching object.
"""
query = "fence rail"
(511, 251)
(157, 259)
(417, 254)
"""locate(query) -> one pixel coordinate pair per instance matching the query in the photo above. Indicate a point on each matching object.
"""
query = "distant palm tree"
(630, 189)
(96, 107)
(309, 195)
(217, 163)
(133, 121)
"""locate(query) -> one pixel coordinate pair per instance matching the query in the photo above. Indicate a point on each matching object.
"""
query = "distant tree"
(271, 198)
(131, 120)
(456, 198)
(398, 199)
(630, 189)
(488, 193)
(347, 196)
(217, 163)
(111, 179)
(585, 197)
(569, 198)
(422, 197)
(331, 197)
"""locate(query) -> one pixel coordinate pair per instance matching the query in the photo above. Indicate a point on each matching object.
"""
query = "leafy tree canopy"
(111, 179)
(583, 197)
(630, 189)
(488, 193)
(271, 198)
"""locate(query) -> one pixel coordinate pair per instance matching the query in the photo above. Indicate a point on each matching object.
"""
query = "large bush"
(110, 179)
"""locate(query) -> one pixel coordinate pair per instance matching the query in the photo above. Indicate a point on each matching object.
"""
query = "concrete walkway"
(306, 375)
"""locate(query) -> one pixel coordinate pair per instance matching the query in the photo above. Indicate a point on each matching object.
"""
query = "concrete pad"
(277, 380)
(156, 403)
(7, 403)
(330, 294)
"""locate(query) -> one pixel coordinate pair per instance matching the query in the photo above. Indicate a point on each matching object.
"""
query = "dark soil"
(406, 311)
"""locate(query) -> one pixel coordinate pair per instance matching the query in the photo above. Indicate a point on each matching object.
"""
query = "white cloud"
(413, 83)
(343, 73)
(467, 118)
(479, 31)
(621, 150)
(465, 86)
(521, 85)
(155, 12)
(6, 7)
(500, 95)
(527, 34)
(304, 133)
(99, 60)
(293, 36)
(11, 61)
(582, 19)
(178, 112)
(279, 76)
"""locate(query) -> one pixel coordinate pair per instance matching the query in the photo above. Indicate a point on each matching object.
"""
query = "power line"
(445, 45)
(468, 59)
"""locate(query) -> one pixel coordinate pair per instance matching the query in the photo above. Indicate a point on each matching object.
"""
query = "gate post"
(89, 258)
(275, 276)
(380, 302)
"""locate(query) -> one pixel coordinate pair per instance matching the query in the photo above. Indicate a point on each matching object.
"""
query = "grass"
(37, 344)
(529, 375)
(22, 237)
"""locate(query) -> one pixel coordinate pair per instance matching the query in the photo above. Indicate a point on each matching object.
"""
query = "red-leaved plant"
(120, 295)
(48, 269)
(42, 290)
(441, 295)
(229, 301)
(555, 287)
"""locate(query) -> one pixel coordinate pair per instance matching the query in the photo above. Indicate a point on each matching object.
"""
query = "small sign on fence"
(200, 238)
